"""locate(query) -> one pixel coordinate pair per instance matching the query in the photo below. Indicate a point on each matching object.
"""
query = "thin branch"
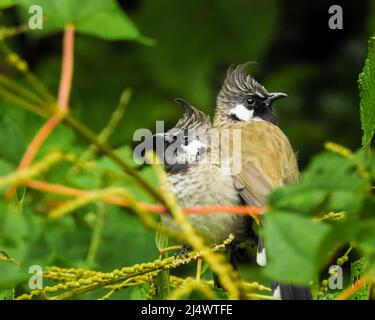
(107, 131)
(96, 234)
(348, 292)
(20, 101)
(21, 91)
(38, 141)
(154, 208)
(16, 62)
(89, 280)
(63, 100)
(21, 176)
(67, 68)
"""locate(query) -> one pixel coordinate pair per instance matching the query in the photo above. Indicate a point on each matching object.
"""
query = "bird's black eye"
(250, 101)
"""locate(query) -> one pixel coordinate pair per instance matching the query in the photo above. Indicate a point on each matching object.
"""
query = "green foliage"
(358, 269)
(30, 238)
(293, 245)
(367, 95)
(330, 183)
(299, 246)
(86, 16)
(331, 296)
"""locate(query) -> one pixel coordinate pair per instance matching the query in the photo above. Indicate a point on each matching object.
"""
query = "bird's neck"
(222, 119)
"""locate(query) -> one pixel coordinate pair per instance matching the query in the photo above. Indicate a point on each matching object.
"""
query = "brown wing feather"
(267, 161)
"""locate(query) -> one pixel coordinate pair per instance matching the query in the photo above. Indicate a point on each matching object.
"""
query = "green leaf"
(102, 19)
(366, 83)
(330, 183)
(293, 246)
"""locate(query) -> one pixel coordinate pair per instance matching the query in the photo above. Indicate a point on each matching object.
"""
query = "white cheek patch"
(242, 113)
(193, 147)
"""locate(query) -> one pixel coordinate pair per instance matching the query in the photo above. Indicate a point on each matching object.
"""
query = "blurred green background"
(194, 43)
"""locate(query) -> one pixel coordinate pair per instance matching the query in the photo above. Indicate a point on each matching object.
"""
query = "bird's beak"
(275, 96)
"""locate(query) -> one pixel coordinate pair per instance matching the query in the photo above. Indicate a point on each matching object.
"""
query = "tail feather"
(261, 253)
(290, 292)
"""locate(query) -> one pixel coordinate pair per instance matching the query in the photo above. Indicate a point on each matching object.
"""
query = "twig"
(20, 90)
(38, 141)
(154, 208)
(348, 292)
(63, 100)
(190, 285)
(91, 280)
(96, 234)
(67, 68)
(23, 175)
(22, 102)
(108, 130)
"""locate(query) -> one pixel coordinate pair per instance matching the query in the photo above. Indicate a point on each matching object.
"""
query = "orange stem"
(347, 293)
(38, 140)
(67, 68)
(63, 102)
(154, 208)
(227, 209)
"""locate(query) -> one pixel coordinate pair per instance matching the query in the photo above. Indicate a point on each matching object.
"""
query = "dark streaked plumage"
(239, 83)
(192, 118)
(203, 183)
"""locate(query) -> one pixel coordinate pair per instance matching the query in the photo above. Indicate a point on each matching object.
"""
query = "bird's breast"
(207, 185)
